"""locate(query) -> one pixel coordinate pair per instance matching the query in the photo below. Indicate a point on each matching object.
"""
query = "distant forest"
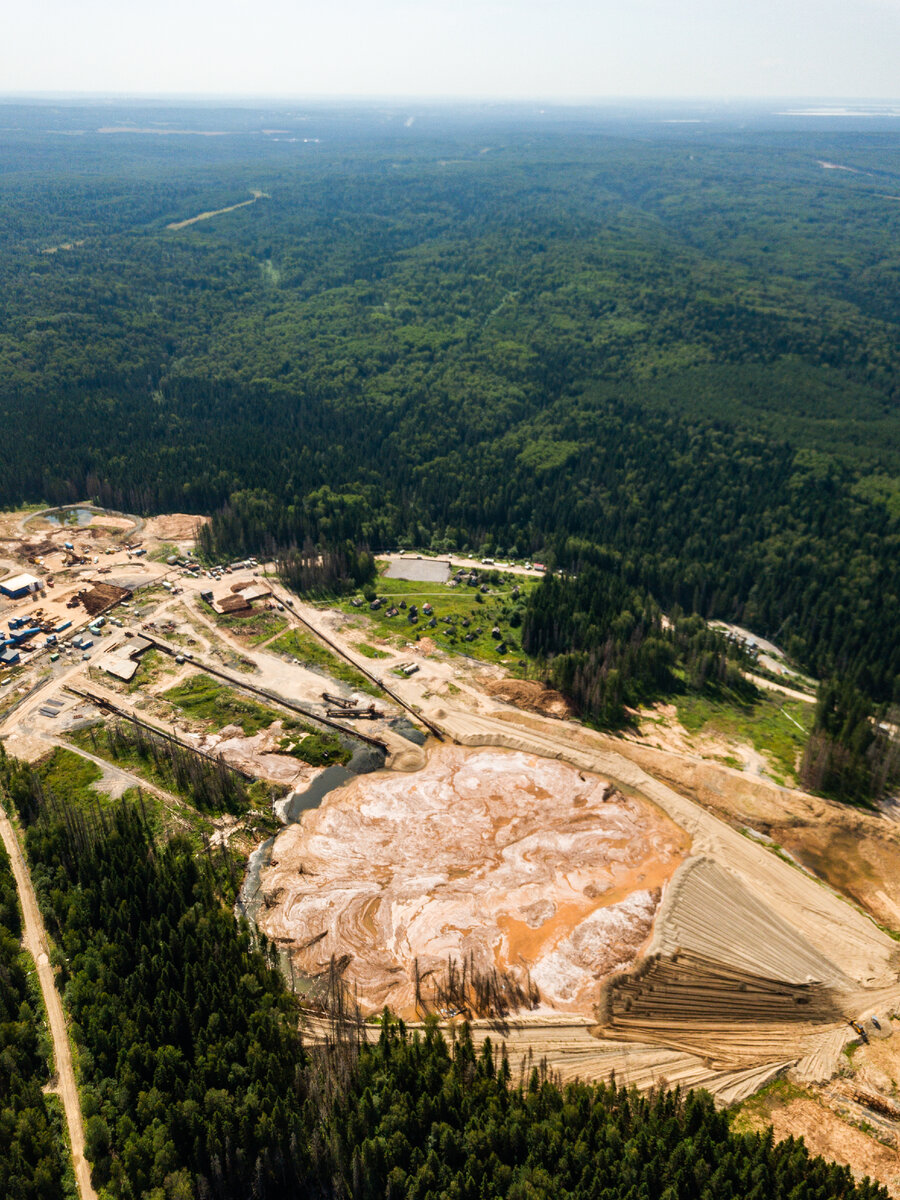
(671, 349)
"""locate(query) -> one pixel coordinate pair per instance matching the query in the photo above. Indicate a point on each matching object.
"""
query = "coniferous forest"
(195, 1082)
(661, 357)
(32, 1151)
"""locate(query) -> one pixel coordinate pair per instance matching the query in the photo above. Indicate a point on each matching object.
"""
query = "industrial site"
(428, 830)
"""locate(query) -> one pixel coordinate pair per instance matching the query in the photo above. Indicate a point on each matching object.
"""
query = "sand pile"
(257, 754)
(174, 527)
(510, 862)
(530, 695)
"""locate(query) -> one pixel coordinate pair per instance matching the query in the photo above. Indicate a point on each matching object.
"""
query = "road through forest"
(35, 942)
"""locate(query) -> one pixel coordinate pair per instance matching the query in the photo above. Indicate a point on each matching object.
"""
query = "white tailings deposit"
(514, 863)
(655, 940)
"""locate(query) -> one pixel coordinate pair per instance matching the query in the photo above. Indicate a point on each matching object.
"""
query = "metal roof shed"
(19, 585)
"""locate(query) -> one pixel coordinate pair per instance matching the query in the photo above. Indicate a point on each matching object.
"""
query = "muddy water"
(406, 729)
(289, 811)
(248, 901)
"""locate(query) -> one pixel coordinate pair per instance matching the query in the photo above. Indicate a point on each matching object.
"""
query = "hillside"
(680, 347)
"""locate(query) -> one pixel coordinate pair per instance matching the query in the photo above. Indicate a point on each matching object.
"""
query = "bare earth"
(825, 1133)
(522, 863)
(174, 527)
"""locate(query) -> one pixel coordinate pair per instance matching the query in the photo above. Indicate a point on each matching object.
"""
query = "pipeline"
(271, 696)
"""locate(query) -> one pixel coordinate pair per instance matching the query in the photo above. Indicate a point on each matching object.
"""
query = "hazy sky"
(511, 48)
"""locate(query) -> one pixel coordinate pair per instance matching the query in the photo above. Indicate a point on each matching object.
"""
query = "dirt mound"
(174, 527)
(35, 549)
(531, 696)
(101, 596)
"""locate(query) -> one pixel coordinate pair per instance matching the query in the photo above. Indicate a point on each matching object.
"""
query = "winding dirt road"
(35, 942)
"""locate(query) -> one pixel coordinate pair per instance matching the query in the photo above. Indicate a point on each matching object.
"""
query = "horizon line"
(562, 100)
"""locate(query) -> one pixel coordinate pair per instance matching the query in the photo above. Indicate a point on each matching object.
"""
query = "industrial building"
(17, 586)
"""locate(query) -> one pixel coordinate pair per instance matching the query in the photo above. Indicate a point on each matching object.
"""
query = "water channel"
(290, 810)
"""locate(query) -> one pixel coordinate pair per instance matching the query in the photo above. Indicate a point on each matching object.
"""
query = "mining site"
(430, 833)
(535, 880)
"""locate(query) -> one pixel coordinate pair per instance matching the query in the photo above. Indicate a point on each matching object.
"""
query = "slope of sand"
(831, 926)
(514, 862)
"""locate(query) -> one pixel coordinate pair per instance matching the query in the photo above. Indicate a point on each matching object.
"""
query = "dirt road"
(35, 941)
(770, 685)
(456, 560)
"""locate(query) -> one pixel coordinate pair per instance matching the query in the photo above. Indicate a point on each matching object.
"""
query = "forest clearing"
(206, 216)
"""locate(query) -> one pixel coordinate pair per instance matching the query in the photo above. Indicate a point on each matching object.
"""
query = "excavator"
(857, 1028)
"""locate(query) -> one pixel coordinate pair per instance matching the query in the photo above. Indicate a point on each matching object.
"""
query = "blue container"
(23, 634)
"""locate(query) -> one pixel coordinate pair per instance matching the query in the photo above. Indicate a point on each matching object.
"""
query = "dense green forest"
(32, 1149)
(671, 348)
(195, 1083)
(608, 646)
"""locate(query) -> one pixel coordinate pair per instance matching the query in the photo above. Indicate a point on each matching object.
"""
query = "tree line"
(607, 646)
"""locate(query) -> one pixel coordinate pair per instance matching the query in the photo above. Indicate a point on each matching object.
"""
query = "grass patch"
(317, 749)
(153, 665)
(755, 1113)
(257, 626)
(203, 698)
(761, 722)
(72, 778)
(370, 651)
(311, 653)
(146, 593)
(68, 774)
(164, 551)
(468, 610)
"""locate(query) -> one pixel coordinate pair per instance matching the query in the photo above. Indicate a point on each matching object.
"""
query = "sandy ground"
(37, 945)
(204, 216)
(524, 864)
(825, 1133)
(856, 851)
(456, 560)
(419, 569)
(173, 527)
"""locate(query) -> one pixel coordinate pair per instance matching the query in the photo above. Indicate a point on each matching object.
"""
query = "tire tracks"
(36, 943)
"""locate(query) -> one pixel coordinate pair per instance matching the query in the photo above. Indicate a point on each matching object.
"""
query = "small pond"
(70, 516)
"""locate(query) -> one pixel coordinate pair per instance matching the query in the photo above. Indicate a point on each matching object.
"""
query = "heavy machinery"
(857, 1028)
